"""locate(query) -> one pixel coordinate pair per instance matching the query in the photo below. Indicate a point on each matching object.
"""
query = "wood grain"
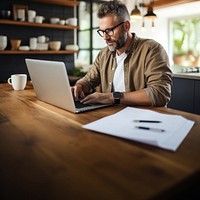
(46, 154)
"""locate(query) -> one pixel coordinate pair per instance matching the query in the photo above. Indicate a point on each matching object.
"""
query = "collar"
(133, 44)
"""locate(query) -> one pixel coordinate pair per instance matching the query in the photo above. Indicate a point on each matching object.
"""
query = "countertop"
(178, 72)
(187, 75)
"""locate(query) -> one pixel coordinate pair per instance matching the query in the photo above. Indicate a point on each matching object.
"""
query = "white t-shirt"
(118, 80)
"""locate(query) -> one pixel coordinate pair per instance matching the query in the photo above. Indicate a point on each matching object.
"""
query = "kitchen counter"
(187, 75)
(180, 72)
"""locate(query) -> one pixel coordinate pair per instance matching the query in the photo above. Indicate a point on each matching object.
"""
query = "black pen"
(150, 129)
(147, 121)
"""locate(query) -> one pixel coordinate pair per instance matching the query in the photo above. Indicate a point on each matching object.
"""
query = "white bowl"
(24, 48)
(62, 22)
(54, 20)
(73, 47)
(55, 45)
(71, 21)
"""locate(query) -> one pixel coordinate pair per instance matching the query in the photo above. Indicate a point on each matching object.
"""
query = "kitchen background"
(13, 61)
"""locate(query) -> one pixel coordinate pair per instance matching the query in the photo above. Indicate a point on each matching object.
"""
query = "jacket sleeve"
(92, 78)
(158, 76)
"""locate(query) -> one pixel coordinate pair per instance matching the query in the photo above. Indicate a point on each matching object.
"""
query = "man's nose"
(105, 36)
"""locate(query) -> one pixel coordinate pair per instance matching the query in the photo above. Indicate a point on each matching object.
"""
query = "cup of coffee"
(18, 81)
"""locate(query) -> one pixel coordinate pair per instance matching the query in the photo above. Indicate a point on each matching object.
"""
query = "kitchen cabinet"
(197, 97)
(14, 61)
(185, 95)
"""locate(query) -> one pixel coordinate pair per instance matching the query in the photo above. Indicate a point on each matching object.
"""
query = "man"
(130, 70)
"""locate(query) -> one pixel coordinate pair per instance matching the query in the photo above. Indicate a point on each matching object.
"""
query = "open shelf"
(41, 25)
(58, 2)
(37, 52)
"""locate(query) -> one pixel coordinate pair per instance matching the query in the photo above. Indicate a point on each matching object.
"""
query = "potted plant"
(75, 74)
(179, 55)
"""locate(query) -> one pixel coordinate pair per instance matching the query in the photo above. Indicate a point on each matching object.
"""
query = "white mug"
(31, 15)
(39, 19)
(18, 81)
(62, 22)
(3, 42)
(33, 43)
(41, 39)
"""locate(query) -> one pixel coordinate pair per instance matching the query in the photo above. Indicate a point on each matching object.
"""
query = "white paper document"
(146, 126)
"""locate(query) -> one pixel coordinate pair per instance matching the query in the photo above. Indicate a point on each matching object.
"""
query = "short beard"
(120, 43)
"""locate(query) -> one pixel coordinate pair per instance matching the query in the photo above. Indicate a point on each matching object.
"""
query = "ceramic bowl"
(73, 47)
(24, 48)
(15, 43)
(62, 22)
(54, 20)
(54, 45)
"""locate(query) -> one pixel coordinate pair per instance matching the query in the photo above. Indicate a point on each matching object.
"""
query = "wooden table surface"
(46, 154)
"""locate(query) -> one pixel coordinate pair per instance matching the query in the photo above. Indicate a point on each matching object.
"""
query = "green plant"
(179, 35)
(77, 71)
(178, 44)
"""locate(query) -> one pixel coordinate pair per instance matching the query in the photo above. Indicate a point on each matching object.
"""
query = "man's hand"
(78, 92)
(97, 97)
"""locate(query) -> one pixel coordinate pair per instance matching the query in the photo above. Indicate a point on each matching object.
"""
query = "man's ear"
(127, 26)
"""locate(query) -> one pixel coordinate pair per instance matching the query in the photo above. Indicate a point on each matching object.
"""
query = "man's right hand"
(78, 92)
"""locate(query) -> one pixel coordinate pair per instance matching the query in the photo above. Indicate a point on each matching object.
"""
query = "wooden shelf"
(58, 2)
(42, 25)
(6, 52)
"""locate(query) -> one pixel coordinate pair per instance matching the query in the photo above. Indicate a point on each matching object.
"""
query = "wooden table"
(46, 154)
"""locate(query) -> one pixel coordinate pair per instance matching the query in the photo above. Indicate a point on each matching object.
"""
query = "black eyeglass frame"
(108, 31)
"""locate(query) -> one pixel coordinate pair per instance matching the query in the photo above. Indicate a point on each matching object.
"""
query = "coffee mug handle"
(9, 81)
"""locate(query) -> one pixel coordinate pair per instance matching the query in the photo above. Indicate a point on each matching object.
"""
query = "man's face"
(118, 36)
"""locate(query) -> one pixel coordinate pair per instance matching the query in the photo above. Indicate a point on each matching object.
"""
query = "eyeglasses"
(108, 31)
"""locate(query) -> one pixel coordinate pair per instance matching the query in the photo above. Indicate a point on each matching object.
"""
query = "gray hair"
(114, 7)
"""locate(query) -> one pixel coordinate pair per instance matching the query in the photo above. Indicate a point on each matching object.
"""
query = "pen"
(147, 121)
(150, 129)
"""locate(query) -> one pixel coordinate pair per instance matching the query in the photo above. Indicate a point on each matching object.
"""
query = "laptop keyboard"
(78, 104)
(80, 107)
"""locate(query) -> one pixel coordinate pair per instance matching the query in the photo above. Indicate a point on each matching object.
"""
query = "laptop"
(51, 84)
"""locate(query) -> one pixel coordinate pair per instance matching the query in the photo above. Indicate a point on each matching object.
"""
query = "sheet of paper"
(123, 124)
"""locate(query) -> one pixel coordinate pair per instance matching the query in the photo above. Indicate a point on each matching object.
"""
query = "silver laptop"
(51, 85)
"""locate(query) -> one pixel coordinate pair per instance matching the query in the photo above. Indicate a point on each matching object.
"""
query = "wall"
(10, 64)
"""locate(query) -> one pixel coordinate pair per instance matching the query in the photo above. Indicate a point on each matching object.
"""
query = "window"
(186, 41)
(90, 43)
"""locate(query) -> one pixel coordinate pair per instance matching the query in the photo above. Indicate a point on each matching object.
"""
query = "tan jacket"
(145, 67)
